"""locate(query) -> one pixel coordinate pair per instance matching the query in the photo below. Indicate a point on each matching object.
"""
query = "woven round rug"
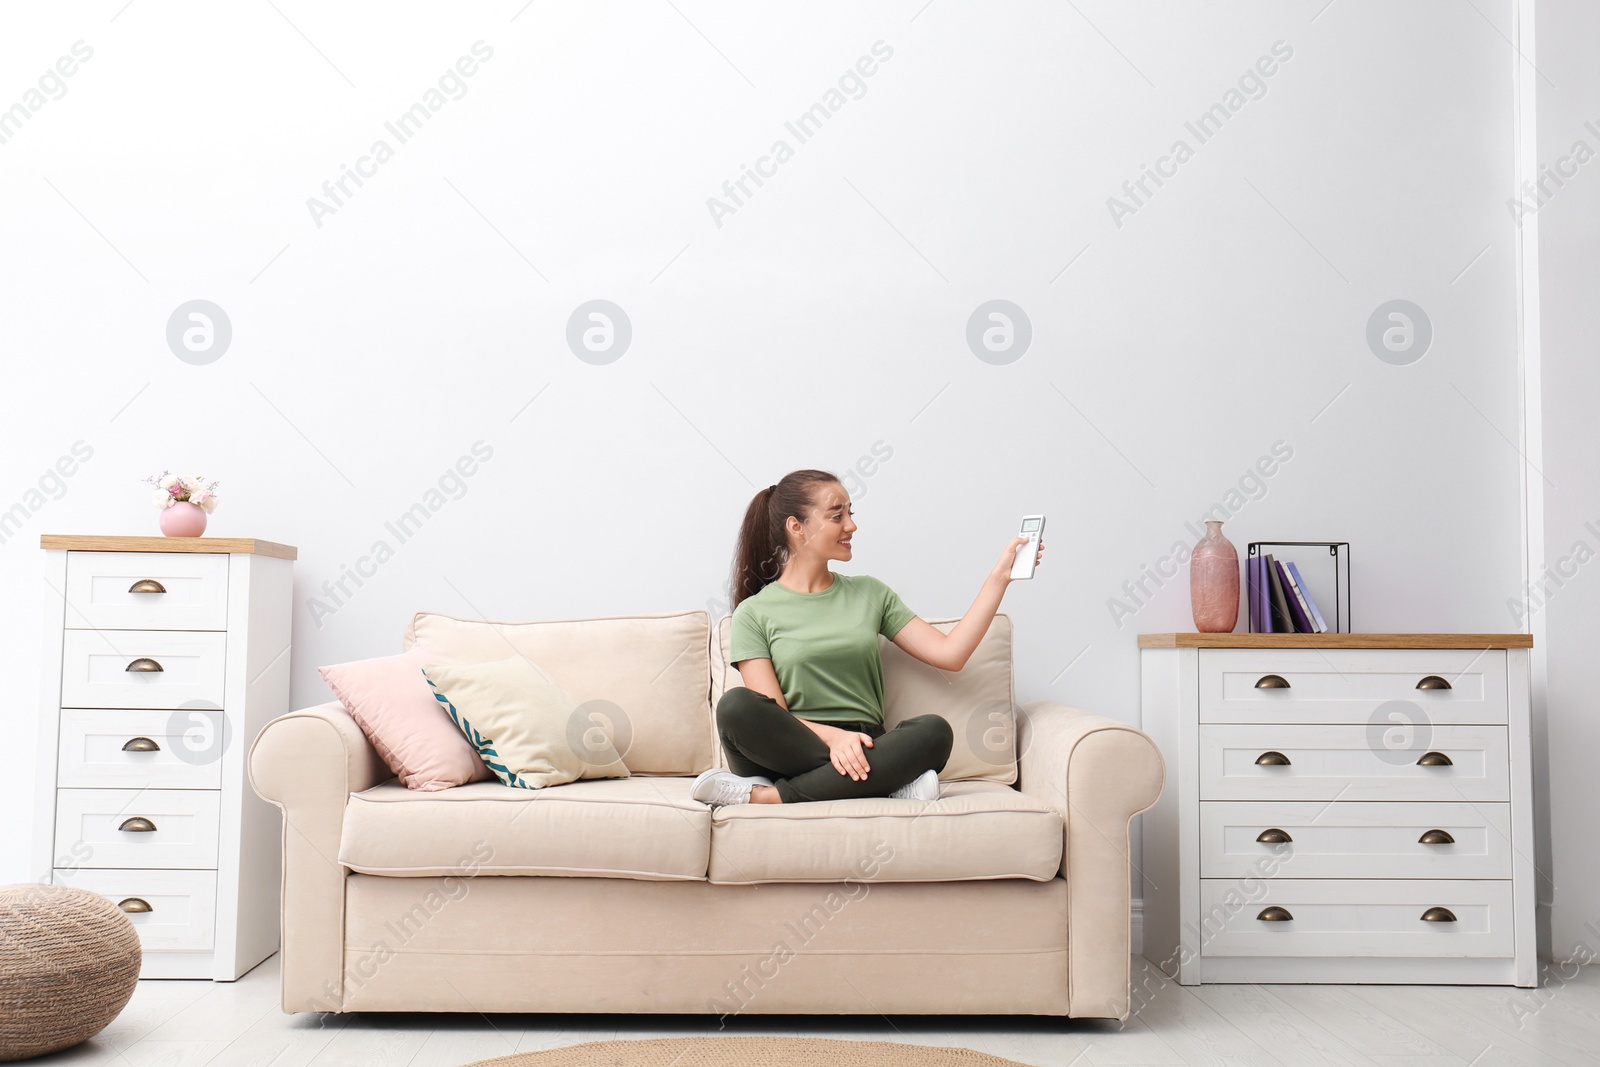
(749, 1052)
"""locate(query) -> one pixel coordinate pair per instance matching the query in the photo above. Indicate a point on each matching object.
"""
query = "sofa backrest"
(644, 679)
(979, 700)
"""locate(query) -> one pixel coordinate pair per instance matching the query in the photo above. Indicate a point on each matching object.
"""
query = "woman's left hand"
(1009, 557)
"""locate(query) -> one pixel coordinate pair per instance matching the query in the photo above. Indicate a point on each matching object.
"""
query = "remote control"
(1033, 530)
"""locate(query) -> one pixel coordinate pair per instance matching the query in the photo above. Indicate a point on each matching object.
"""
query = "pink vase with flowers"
(184, 502)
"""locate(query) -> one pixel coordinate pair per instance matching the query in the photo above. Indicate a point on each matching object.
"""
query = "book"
(1302, 621)
(1250, 594)
(1263, 596)
(1305, 596)
(1250, 590)
(1282, 621)
(1296, 597)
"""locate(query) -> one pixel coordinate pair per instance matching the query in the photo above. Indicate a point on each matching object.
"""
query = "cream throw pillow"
(530, 731)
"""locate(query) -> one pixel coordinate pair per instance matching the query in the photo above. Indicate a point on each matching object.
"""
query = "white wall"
(822, 322)
(1568, 218)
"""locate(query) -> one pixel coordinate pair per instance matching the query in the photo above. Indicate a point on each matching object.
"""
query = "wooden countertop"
(1236, 640)
(114, 543)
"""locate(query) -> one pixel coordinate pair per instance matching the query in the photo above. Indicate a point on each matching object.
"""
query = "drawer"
(172, 910)
(1356, 917)
(185, 668)
(1350, 763)
(139, 749)
(179, 826)
(147, 591)
(1361, 839)
(1353, 685)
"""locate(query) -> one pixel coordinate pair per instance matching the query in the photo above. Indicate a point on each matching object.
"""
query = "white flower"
(169, 480)
(161, 498)
(209, 504)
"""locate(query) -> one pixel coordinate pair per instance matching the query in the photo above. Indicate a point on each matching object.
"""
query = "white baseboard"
(1136, 927)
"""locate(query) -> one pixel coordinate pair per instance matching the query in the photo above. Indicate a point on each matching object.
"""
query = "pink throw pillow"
(390, 699)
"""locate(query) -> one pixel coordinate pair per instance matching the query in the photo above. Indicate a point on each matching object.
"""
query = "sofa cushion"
(528, 730)
(600, 828)
(974, 830)
(978, 700)
(643, 679)
(392, 703)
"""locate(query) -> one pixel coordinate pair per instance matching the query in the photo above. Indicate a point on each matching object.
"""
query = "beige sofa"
(1009, 894)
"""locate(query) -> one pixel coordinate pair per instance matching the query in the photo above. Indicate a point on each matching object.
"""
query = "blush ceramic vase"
(183, 519)
(1214, 582)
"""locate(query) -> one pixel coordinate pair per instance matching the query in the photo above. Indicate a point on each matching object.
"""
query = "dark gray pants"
(762, 737)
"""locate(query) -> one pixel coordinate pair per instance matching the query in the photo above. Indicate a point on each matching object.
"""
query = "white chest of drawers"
(1340, 808)
(163, 658)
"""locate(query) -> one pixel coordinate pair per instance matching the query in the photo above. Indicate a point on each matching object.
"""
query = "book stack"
(1279, 601)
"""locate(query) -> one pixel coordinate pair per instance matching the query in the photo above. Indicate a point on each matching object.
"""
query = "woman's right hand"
(845, 752)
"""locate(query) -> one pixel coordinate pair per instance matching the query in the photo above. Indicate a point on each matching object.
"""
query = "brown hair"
(763, 545)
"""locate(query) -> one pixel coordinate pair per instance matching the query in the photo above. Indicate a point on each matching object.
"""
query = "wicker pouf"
(69, 961)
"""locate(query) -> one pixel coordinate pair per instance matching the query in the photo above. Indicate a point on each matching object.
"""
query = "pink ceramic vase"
(183, 519)
(1214, 582)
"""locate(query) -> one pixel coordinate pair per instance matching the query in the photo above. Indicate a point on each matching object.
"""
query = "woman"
(808, 722)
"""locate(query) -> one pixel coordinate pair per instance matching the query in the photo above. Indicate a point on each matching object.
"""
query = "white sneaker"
(720, 786)
(924, 786)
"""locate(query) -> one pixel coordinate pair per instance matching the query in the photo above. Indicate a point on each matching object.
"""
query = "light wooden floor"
(191, 1024)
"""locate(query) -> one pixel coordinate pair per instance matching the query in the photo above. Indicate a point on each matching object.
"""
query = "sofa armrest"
(308, 763)
(1098, 773)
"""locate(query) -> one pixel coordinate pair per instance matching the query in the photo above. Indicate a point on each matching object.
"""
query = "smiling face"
(827, 531)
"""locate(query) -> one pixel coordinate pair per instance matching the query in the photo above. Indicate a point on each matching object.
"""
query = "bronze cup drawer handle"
(1435, 759)
(1273, 836)
(1438, 915)
(1433, 681)
(1272, 759)
(135, 906)
(1275, 914)
(147, 585)
(137, 825)
(144, 665)
(140, 744)
(1272, 681)
(1436, 837)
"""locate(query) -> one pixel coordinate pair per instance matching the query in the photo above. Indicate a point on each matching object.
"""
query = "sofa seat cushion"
(646, 828)
(974, 830)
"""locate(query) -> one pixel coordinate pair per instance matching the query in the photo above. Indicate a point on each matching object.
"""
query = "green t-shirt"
(823, 646)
